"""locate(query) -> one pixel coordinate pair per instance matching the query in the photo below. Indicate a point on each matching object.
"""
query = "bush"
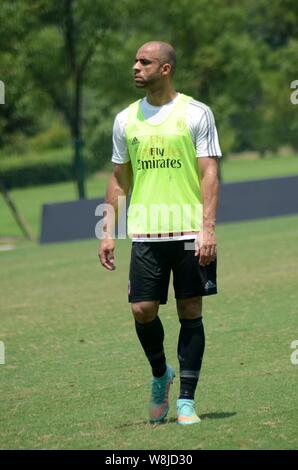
(53, 137)
(35, 169)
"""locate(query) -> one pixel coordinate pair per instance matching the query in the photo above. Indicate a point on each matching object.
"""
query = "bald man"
(166, 151)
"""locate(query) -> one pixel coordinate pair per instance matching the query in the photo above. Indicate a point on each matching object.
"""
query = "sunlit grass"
(75, 375)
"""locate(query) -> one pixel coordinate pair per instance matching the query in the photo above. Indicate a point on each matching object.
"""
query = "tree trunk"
(77, 142)
(17, 215)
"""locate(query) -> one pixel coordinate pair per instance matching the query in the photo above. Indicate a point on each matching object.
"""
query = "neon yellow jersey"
(166, 196)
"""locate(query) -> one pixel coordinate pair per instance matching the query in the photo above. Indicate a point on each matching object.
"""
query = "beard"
(148, 82)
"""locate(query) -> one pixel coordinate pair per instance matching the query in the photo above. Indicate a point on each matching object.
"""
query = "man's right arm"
(119, 186)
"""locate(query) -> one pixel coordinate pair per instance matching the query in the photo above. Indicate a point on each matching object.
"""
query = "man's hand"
(106, 253)
(205, 246)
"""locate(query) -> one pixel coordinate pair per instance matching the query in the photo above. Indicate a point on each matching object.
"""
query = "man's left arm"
(206, 243)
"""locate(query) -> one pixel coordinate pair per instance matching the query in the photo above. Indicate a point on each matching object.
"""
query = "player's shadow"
(140, 423)
(215, 415)
(219, 415)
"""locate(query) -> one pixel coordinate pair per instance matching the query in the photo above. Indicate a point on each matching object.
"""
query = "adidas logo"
(209, 285)
(135, 141)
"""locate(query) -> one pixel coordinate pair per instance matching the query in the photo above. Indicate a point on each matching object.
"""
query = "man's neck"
(160, 97)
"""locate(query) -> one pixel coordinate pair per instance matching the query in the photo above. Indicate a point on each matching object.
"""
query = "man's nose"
(136, 66)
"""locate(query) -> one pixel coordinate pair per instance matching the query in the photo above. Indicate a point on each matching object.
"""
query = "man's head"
(155, 62)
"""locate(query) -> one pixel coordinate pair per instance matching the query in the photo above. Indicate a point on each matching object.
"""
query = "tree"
(76, 56)
(18, 116)
(61, 39)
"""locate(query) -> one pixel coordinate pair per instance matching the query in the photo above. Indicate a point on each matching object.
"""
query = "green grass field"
(75, 376)
(241, 169)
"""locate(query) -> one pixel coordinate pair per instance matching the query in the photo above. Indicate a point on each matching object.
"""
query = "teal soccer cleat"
(159, 405)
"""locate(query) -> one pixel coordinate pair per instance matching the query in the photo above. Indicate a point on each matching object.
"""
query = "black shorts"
(151, 265)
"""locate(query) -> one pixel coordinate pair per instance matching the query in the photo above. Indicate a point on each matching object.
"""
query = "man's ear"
(166, 69)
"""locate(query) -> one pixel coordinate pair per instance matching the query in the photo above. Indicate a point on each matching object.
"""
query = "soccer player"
(166, 150)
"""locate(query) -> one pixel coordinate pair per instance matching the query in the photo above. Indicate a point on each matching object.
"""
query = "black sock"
(191, 347)
(151, 336)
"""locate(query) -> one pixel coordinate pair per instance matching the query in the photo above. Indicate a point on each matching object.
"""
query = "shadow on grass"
(140, 423)
(220, 415)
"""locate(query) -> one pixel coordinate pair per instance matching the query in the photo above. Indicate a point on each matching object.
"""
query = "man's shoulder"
(122, 115)
(198, 106)
(199, 112)
(123, 112)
